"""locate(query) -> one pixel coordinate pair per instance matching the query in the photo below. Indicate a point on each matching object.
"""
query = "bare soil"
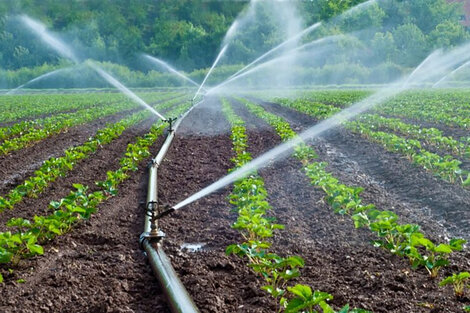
(98, 267)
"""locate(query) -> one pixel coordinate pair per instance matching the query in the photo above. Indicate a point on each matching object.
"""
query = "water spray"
(43, 76)
(451, 73)
(278, 47)
(436, 64)
(169, 68)
(304, 32)
(48, 37)
(221, 53)
(278, 59)
(113, 81)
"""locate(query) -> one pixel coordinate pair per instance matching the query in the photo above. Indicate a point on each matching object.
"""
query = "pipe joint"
(152, 163)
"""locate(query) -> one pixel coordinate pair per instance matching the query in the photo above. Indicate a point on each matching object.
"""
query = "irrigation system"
(152, 237)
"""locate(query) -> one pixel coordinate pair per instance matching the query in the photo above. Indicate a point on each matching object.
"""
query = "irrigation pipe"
(151, 239)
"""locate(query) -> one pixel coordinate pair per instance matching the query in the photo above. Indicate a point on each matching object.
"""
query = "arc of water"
(278, 47)
(301, 34)
(40, 29)
(439, 63)
(12, 91)
(278, 59)
(221, 53)
(170, 68)
(48, 37)
(451, 73)
(113, 81)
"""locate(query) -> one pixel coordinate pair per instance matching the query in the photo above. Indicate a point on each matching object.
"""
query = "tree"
(411, 45)
(383, 46)
(448, 34)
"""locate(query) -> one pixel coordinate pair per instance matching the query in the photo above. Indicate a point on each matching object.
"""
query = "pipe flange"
(151, 237)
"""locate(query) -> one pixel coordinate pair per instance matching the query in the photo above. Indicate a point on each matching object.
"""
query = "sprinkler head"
(170, 121)
(167, 210)
(153, 212)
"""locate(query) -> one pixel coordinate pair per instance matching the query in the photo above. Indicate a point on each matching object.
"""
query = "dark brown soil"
(98, 267)
(356, 161)
(17, 165)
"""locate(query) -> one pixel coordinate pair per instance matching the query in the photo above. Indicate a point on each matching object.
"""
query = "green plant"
(437, 255)
(308, 301)
(458, 281)
(24, 241)
(305, 300)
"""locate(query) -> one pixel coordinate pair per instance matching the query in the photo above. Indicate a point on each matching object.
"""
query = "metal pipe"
(151, 195)
(178, 297)
(169, 139)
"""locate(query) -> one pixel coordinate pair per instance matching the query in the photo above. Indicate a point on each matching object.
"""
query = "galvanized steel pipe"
(178, 298)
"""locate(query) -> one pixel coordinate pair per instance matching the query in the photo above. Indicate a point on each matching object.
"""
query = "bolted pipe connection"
(153, 213)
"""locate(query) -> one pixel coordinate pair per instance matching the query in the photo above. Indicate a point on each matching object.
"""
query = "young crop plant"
(405, 240)
(436, 256)
(458, 281)
(308, 301)
(249, 198)
(26, 236)
(445, 167)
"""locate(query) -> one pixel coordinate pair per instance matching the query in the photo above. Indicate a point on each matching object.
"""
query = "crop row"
(443, 113)
(404, 240)
(445, 167)
(249, 198)
(449, 102)
(431, 136)
(58, 124)
(447, 107)
(31, 126)
(31, 106)
(54, 168)
(27, 236)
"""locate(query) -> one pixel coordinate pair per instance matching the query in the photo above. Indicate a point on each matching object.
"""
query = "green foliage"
(188, 33)
(25, 239)
(458, 282)
(54, 168)
(305, 300)
(248, 196)
(401, 239)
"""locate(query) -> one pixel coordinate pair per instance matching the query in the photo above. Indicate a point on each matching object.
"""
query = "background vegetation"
(189, 33)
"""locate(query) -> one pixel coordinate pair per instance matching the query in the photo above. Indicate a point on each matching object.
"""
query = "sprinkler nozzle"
(153, 212)
(167, 210)
(170, 121)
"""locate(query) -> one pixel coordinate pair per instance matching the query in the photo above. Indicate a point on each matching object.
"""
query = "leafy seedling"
(458, 281)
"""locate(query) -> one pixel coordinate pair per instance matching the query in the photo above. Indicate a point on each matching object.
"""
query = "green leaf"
(36, 249)
(443, 248)
(326, 308)
(344, 309)
(302, 291)
(295, 305)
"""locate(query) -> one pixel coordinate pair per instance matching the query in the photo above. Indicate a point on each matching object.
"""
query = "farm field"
(374, 213)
